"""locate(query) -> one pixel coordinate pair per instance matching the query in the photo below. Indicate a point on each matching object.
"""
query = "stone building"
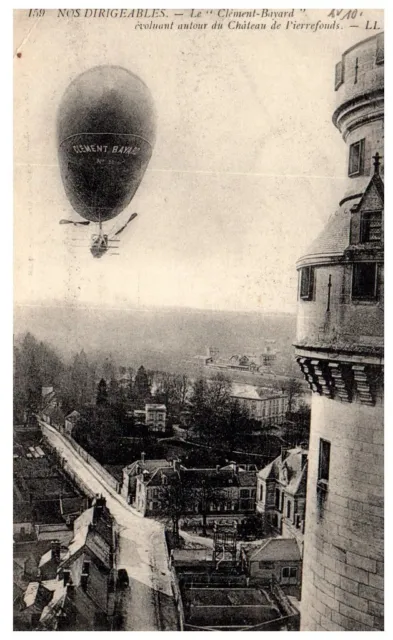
(155, 417)
(267, 406)
(340, 351)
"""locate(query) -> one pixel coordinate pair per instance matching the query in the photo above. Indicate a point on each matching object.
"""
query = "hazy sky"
(246, 169)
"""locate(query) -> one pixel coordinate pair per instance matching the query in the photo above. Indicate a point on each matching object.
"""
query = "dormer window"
(371, 226)
(356, 158)
(364, 281)
(307, 277)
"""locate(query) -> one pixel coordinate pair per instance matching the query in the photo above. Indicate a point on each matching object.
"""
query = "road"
(148, 603)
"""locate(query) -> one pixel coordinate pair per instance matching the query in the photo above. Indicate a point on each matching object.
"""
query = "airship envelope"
(106, 131)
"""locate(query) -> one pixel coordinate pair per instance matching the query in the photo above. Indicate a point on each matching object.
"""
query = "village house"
(274, 558)
(71, 421)
(133, 470)
(155, 417)
(228, 492)
(23, 520)
(76, 588)
(281, 494)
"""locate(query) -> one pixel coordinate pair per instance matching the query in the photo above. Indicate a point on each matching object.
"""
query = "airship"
(106, 131)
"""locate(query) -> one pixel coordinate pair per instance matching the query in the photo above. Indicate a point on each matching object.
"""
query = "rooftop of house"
(155, 407)
(92, 523)
(249, 392)
(290, 469)
(22, 512)
(73, 416)
(160, 476)
(196, 556)
(37, 595)
(272, 549)
(48, 557)
(247, 478)
(60, 606)
(138, 466)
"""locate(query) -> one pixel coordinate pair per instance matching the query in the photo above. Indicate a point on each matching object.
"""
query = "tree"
(36, 365)
(141, 384)
(113, 392)
(175, 499)
(293, 389)
(108, 369)
(210, 408)
(297, 427)
(99, 433)
(205, 494)
(102, 393)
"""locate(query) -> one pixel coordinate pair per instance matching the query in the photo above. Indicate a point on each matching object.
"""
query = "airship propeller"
(102, 242)
(76, 223)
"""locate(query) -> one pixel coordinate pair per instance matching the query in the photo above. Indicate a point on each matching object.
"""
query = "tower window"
(324, 462)
(356, 158)
(307, 278)
(371, 226)
(339, 75)
(364, 281)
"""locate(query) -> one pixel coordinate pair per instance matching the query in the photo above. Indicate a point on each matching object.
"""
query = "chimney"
(55, 548)
(176, 464)
(66, 577)
(143, 457)
(217, 467)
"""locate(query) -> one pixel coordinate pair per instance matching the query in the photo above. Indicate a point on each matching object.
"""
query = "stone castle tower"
(339, 348)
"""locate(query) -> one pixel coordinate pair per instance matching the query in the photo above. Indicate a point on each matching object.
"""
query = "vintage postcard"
(198, 320)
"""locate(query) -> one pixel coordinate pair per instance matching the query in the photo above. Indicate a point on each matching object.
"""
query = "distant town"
(193, 453)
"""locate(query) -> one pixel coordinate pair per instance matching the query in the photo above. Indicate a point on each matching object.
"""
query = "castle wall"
(343, 549)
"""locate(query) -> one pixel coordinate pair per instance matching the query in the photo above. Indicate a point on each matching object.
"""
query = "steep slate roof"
(273, 549)
(245, 391)
(334, 237)
(22, 512)
(86, 528)
(47, 557)
(147, 465)
(247, 478)
(155, 480)
(376, 183)
(298, 482)
(37, 595)
(297, 474)
(59, 604)
(73, 416)
(216, 477)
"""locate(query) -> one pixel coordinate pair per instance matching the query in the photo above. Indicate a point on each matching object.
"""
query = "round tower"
(339, 348)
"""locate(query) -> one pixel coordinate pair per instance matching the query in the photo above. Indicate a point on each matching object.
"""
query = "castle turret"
(339, 348)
